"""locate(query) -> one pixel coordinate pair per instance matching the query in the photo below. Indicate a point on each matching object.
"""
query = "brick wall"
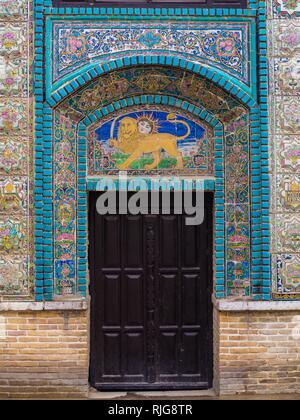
(43, 354)
(258, 352)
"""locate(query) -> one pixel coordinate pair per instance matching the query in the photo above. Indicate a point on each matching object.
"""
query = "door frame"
(210, 318)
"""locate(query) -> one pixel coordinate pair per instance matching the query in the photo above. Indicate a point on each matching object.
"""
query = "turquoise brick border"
(259, 134)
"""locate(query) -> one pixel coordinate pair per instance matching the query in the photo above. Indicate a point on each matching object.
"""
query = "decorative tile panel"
(13, 235)
(96, 40)
(13, 40)
(76, 44)
(16, 244)
(288, 153)
(286, 77)
(13, 77)
(287, 277)
(13, 117)
(285, 37)
(13, 9)
(14, 276)
(65, 203)
(286, 8)
(288, 115)
(153, 80)
(13, 156)
(288, 233)
(13, 196)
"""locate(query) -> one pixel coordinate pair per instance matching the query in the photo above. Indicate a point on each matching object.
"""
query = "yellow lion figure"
(136, 137)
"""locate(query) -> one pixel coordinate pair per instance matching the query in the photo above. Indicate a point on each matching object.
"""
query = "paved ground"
(182, 396)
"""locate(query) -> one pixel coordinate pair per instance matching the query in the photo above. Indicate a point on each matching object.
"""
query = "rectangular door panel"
(135, 299)
(168, 241)
(190, 256)
(190, 299)
(190, 353)
(168, 292)
(134, 241)
(112, 299)
(112, 354)
(111, 242)
(135, 366)
(168, 362)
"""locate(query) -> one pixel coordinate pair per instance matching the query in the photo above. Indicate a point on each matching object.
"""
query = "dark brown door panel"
(151, 311)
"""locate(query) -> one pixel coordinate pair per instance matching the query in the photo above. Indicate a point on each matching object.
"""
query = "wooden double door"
(151, 311)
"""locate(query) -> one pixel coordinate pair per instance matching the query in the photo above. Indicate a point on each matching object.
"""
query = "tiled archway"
(227, 227)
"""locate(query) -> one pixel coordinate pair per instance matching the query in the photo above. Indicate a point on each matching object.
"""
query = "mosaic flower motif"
(288, 193)
(150, 39)
(288, 233)
(13, 195)
(13, 77)
(289, 77)
(287, 273)
(288, 37)
(289, 115)
(13, 235)
(65, 274)
(12, 156)
(286, 8)
(13, 8)
(14, 276)
(288, 153)
(13, 117)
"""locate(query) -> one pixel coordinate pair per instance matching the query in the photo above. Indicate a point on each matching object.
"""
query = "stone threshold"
(142, 395)
(229, 305)
(72, 305)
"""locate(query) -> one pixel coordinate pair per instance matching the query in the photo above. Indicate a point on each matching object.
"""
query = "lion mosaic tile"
(110, 147)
